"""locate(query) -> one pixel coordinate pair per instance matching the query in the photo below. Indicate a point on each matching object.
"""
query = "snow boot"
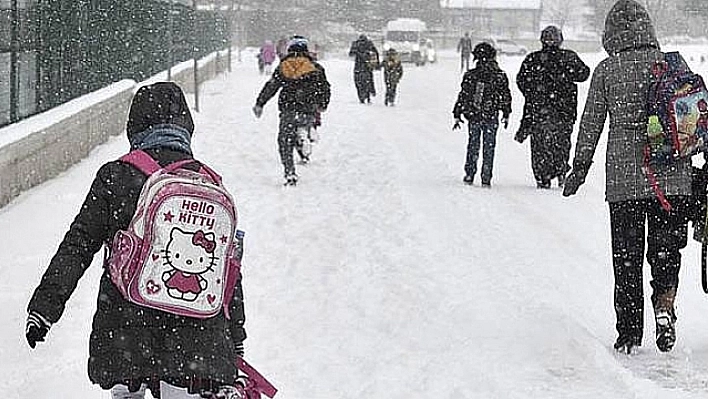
(543, 184)
(665, 318)
(561, 180)
(468, 179)
(627, 345)
(290, 180)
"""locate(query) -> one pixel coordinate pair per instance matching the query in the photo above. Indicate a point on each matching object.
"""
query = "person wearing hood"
(132, 347)
(548, 80)
(393, 71)
(619, 88)
(304, 92)
(483, 95)
(366, 60)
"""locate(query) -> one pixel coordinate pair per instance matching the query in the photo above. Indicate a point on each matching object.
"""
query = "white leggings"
(167, 391)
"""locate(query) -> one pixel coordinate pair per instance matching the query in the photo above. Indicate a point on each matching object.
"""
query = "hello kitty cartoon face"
(190, 253)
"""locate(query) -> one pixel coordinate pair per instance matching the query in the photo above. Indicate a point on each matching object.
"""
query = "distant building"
(498, 18)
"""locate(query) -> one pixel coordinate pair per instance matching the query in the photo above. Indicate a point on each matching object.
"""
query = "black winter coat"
(547, 79)
(303, 84)
(366, 56)
(485, 92)
(130, 343)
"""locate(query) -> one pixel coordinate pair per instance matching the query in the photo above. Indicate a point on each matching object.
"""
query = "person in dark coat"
(548, 80)
(638, 222)
(464, 47)
(366, 60)
(393, 71)
(304, 92)
(133, 347)
(484, 94)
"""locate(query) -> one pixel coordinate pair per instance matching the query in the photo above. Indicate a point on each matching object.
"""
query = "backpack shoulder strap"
(142, 161)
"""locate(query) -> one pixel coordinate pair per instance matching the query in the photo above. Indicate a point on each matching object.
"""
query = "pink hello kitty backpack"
(179, 253)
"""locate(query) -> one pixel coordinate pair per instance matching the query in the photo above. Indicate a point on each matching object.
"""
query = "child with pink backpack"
(170, 314)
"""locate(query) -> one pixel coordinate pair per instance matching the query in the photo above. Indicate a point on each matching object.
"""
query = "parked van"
(407, 36)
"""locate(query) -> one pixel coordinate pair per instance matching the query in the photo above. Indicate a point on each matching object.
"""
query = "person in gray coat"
(619, 88)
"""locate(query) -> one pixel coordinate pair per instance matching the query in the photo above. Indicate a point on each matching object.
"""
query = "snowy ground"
(381, 275)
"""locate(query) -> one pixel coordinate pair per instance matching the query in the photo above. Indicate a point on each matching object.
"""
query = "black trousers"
(287, 137)
(665, 235)
(550, 150)
(364, 82)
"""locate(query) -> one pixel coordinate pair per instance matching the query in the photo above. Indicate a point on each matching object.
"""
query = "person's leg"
(489, 141)
(559, 150)
(475, 132)
(372, 84)
(286, 143)
(667, 235)
(541, 157)
(122, 392)
(360, 84)
(627, 221)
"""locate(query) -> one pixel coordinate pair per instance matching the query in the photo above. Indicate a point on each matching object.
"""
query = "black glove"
(505, 122)
(575, 179)
(458, 123)
(519, 137)
(36, 329)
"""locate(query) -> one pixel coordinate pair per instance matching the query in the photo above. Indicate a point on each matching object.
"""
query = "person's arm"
(504, 97)
(576, 70)
(84, 238)
(523, 78)
(592, 122)
(323, 90)
(270, 88)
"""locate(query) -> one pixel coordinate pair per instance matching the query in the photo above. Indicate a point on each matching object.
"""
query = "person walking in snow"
(132, 347)
(464, 47)
(619, 88)
(548, 80)
(267, 55)
(393, 71)
(366, 60)
(484, 94)
(304, 92)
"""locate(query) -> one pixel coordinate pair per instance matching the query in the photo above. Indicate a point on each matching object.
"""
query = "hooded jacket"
(484, 93)
(619, 88)
(302, 83)
(131, 344)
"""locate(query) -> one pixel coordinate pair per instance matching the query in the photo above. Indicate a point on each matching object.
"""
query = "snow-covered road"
(381, 275)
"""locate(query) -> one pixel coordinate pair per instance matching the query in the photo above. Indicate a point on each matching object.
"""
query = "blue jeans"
(487, 132)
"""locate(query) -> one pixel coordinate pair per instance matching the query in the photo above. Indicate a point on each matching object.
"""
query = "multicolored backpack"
(180, 251)
(677, 109)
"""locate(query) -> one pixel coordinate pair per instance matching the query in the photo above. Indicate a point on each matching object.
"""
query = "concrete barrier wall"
(39, 148)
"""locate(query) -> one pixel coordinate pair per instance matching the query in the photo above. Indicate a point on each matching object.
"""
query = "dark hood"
(627, 27)
(160, 103)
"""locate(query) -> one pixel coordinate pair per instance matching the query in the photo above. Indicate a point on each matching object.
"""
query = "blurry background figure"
(547, 79)
(281, 47)
(393, 70)
(266, 57)
(464, 47)
(366, 59)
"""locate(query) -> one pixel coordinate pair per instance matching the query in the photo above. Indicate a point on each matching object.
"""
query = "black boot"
(665, 318)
